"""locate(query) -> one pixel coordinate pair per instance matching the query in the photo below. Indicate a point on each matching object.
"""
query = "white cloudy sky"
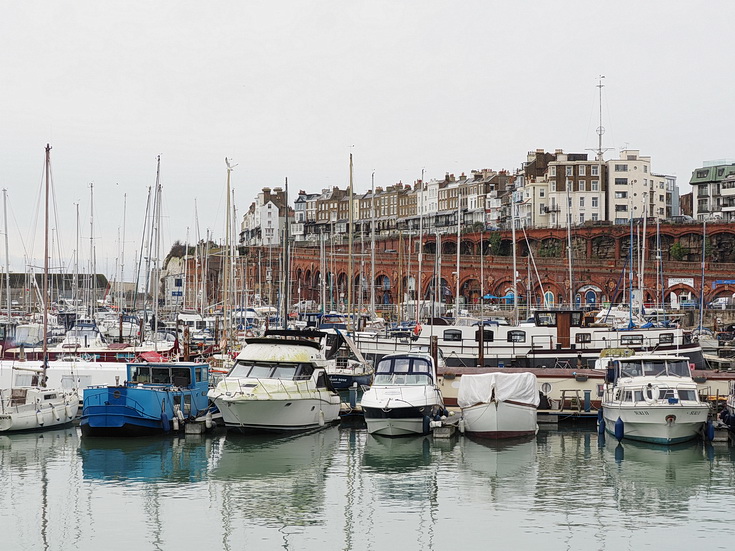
(291, 88)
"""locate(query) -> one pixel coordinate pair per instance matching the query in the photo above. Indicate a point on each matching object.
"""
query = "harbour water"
(340, 488)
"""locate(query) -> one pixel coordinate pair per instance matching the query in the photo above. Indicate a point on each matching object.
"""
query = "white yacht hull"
(500, 420)
(656, 423)
(400, 410)
(396, 427)
(279, 414)
(40, 408)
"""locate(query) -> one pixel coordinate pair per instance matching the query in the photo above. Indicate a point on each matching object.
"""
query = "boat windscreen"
(679, 368)
(630, 368)
(288, 371)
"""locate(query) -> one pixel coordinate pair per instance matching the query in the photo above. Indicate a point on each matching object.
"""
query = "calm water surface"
(343, 489)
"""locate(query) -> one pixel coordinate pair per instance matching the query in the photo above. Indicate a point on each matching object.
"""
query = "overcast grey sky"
(290, 89)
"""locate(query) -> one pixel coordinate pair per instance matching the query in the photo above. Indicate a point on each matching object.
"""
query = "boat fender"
(321, 418)
(176, 423)
(180, 415)
(727, 418)
(427, 424)
(461, 425)
(619, 429)
(55, 413)
(710, 431)
(39, 418)
(68, 410)
(165, 422)
(601, 425)
(208, 420)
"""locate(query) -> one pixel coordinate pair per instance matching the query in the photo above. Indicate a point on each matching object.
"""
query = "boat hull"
(400, 421)
(120, 421)
(657, 424)
(278, 415)
(500, 420)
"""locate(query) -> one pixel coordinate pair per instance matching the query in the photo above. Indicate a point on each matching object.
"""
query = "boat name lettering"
(641, 413)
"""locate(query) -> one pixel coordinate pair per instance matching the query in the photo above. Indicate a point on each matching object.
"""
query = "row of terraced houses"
(551, 190)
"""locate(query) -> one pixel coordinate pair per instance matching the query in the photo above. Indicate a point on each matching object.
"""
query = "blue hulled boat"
(157, 398)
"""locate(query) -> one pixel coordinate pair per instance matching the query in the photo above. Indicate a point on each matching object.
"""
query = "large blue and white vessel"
(156, 398)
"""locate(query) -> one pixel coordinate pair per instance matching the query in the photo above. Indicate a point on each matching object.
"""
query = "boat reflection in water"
(35, 473)
(31, 449)
(274, 480)
(146, 459)
(500, 470)
(404, 470)
(658, 479)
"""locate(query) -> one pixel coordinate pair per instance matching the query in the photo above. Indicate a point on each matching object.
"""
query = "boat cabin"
(174, 374)
(248, 369)
(404, 370)
(645, 367)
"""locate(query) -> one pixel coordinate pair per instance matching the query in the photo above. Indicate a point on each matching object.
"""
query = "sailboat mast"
(121, 294)
(349, 254)
(701, 296)
(515, 255)
(45, 268)
(285, 298)
(226, 264)
(459, 237)
(92, 259)
(197, 240)
(7, 253)
(372, 247)
(157, 244)
(75, 289)
(322, 271)
(421, 248)
(569, 247)
(643, 240)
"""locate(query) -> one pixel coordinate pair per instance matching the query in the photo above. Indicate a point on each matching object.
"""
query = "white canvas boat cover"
(477, 389)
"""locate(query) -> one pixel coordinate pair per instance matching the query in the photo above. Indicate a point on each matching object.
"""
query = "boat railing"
(9, 407)
(265, 383)
(97, 400)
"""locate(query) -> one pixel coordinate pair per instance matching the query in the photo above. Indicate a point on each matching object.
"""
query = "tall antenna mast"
(600, 128)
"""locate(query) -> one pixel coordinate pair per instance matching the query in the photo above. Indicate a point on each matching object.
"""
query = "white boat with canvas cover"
(651, 398)
(498, 405)
(278, 383)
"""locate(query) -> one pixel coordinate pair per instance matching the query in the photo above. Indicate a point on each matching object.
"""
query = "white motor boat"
(404, 397)
(498, 405)
(35, 407)
(278, 383)
(651, 398)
